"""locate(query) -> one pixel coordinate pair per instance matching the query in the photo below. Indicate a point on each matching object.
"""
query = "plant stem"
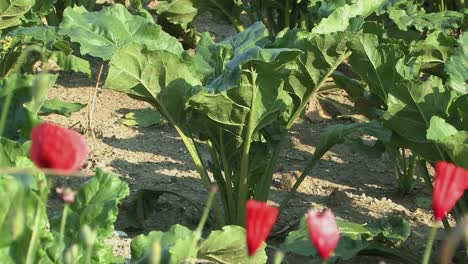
(244, 165)
(194, 154)
(227, 176)
(430, 242)
(32, 243)
(218, 177)
(287, 14)
(237, 24)
(310, 165)
(279, 256)
(268, 177)
(198, 232)
(92, 102)
(63, 222)
(5, 108)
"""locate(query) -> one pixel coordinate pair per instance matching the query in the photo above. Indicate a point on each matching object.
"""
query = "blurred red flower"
(323, 232)
(55, 147)
(66, 194)
(260, 219)
(449, 185)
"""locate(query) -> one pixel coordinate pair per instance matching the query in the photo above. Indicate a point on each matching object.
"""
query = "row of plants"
(30, 236)
(404, 68)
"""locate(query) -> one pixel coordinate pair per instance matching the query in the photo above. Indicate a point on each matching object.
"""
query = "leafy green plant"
(381, 237)
(223, 94)
(79, 239)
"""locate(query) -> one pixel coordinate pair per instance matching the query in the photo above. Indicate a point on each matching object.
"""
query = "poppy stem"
(198, 232)
(430, 242)
(279, 256)
(63, 222)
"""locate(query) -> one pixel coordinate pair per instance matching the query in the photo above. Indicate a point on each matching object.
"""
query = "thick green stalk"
(228, 178)
(244, 165)
(268, 177)
(32, 243)
(5, 108)
(310, 165)
(193, 151)
(63, 223)
(218, 177)
(237, 24)
(287, 14)
(198, 232)
(194, 154)
(430, 242)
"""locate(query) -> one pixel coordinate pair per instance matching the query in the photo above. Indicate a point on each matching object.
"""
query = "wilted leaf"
(57, 106)
(143, 118)
(228, 246)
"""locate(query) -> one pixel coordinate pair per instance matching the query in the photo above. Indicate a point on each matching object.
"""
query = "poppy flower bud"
(449, 185)
(55, 147)
(323, 232)
(260, 218)
(66, 194)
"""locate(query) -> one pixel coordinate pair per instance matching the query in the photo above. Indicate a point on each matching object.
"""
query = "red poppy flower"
(323, 232)
(260, 219)
(55, 147)
(449, 185)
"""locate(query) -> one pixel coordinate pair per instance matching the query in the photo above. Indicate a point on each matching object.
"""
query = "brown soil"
(357, 188)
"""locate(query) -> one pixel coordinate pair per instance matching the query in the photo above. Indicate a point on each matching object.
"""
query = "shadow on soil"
(341, 169)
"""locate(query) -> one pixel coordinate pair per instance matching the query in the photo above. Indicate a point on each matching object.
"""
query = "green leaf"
(394, 228)
(454, 142)
(353, 237)
(228, 246)
(375, 63)
(170, 243)
(434, 51)
(159, 77)
(339, 19)
(424, 202)
(351, 241)
(417, 18)
(322, 54)
(96, 205)
(11, 150)
(217, 55)
(29, 93)
(459, 113)
(411, 106)
(180, 12)
(142, 118)
(11, 12)
(70, 63)
(57, 106)
(18, 221)
(44, 34)
(457, 66)
(102, 33)
(43, 7)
